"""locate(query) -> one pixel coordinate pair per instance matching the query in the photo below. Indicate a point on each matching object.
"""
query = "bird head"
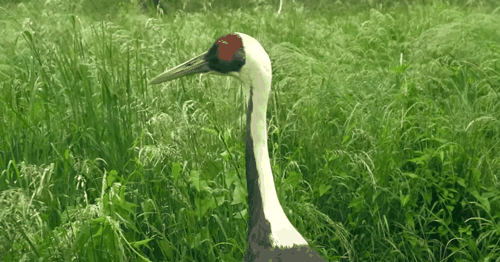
(236, 54)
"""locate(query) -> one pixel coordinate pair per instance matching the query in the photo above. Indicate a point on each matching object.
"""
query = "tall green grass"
(383, 131)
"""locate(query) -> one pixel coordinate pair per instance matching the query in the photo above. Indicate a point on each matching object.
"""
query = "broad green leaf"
(176, 170)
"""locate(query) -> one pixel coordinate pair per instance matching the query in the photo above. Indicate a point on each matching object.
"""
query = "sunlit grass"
(383, 132)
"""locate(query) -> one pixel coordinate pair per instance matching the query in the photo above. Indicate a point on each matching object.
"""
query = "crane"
(271, 236)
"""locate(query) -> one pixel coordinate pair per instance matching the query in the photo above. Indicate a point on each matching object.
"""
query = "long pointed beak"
(193, 66)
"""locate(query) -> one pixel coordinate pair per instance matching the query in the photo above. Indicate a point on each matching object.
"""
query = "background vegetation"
(384, 130)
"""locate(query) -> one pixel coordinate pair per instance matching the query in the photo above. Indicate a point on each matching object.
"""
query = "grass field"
(384, 130)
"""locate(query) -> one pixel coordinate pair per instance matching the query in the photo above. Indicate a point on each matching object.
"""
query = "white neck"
(283, 233)
(257, 75)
